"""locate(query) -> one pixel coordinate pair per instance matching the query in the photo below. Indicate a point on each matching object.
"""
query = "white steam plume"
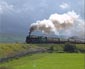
(68, 24)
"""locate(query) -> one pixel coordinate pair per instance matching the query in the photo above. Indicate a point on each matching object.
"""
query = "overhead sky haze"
(17, 15)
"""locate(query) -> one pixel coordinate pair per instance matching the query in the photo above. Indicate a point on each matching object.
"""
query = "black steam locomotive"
(43, 39)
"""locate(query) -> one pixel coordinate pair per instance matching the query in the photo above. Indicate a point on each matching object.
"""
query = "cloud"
(64, 6)
(1, 9)
(6, 8)
(23, 12)
(68, 24)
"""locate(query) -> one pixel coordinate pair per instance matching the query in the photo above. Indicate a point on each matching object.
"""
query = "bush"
(70, 48)
(51, 49)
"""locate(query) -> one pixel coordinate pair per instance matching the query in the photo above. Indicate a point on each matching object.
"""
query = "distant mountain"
(10, 38)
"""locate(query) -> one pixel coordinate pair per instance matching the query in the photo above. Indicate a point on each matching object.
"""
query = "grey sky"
(17, 15)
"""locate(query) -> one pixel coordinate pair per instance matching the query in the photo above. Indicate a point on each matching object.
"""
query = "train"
(44, 39)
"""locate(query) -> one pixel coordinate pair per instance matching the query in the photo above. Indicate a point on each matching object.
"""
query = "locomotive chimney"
(31, 30)
(29, 33)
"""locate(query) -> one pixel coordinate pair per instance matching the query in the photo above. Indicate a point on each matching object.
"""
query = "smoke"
(68, 24)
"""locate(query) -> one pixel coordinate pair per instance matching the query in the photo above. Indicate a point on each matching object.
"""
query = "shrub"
(51, 49)
(70, 48)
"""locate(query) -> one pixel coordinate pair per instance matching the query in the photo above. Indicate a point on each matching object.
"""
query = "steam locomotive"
(43, 39)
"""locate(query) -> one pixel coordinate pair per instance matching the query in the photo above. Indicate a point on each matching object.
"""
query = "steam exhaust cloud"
(68, 24)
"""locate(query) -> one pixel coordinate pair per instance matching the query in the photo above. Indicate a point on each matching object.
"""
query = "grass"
(13, 48)
(47, 61)
(8, 49)
(44, 60)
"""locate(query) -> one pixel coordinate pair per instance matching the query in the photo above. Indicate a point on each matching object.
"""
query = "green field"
(47, 61)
